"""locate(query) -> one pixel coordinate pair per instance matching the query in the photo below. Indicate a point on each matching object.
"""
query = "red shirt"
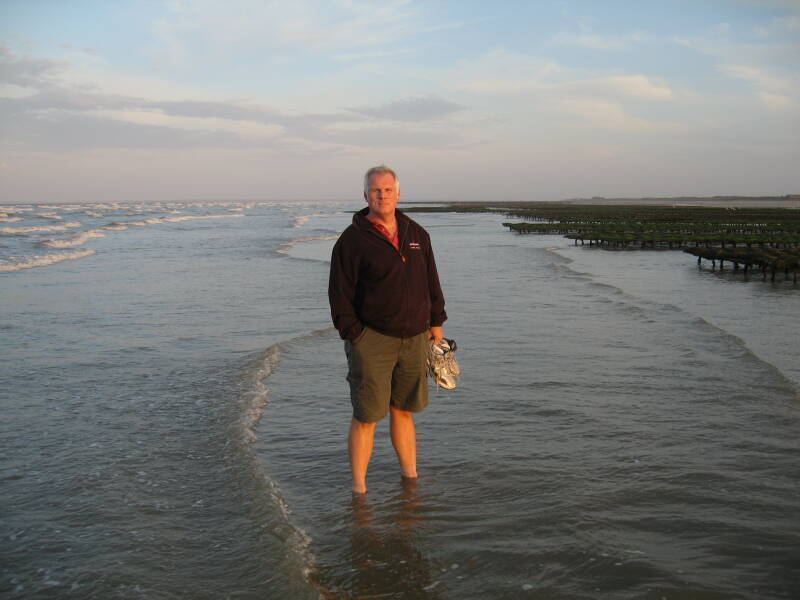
(394, 239)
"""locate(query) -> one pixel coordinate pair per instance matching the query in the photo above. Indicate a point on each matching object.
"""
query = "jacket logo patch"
(413, 246)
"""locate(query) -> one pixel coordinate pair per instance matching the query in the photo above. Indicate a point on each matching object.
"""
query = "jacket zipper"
(405, 271)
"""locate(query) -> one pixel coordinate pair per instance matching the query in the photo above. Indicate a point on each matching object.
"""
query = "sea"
(175, 411)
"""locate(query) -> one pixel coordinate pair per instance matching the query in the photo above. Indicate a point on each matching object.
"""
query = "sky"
(149, 100)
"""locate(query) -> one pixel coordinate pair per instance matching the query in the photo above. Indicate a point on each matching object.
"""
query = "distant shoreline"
(790, 201)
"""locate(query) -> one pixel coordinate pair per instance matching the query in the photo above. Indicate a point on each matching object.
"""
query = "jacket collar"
(360, 218)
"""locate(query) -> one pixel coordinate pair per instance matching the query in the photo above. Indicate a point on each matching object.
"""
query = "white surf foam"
(321, 238)
(78, 239)
(191, 218)
(159, 220)
(255, 400)
(254, 403)
(7, 219)
(301, 220)
(52, 207)
(50, 215)
(23, 230)
(30, 262)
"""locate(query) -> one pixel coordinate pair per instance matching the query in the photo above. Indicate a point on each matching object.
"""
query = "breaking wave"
(31, 262)
(117, 225)
(285, 248)
(301, 220)
(24, 230)
(77, 240)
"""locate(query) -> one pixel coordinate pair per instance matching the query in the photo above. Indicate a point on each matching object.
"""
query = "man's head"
(381, 191)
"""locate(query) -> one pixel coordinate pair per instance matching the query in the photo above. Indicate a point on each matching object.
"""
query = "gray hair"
(380, 169)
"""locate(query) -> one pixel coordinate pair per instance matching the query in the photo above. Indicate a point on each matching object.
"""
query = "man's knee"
(364, 426)
(401, 415)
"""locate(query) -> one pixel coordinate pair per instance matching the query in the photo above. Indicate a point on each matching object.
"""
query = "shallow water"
(175, 414)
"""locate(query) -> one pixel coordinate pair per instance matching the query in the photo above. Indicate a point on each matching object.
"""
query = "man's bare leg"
(404, 440)
(359, 444)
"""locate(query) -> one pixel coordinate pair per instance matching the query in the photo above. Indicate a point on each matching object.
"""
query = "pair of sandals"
(442, 364)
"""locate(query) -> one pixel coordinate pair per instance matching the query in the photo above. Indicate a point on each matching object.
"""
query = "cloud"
(411, 109)
(587, 38)
(65, 130)
(10, 90)
(605, 114)
(51, 114)
(395, 137)
(27, 72)
(774, 92)
(757, 76)
(775, 43)
(640, 85)
(775, 101)
(500, 71)
(212, 28)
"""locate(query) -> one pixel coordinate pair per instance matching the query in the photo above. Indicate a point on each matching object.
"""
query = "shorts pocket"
(360, 336)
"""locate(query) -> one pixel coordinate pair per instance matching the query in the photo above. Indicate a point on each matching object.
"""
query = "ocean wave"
(77, 240)
(285, 248)
(191, 218)
(253, 404)
(50, 215)
(159, 220)
(633, 302)
(52, 207)
(23, 230)
(31, 262)
(254, 400)
(301, 220)
(7, 219)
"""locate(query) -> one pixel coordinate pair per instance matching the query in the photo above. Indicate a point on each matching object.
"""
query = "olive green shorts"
(386, 371)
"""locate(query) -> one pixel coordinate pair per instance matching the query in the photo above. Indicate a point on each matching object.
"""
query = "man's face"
(382, 195)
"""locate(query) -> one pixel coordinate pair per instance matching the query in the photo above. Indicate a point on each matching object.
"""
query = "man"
(386, 302)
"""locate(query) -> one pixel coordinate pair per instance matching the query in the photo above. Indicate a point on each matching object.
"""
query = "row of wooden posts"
(782, 262)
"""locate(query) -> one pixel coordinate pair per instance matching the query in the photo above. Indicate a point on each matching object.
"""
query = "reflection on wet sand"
(386, 556)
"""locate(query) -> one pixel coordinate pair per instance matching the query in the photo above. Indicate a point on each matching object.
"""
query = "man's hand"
(436, 334)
